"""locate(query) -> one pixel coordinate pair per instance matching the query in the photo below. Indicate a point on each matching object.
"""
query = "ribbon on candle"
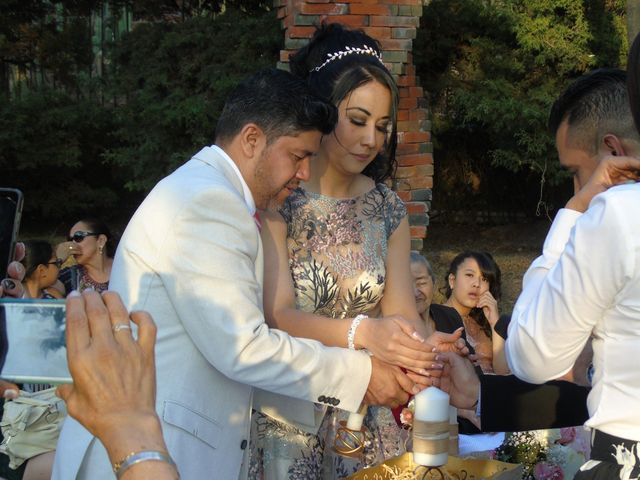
(422, 428)
(453, 439)
(430, 437)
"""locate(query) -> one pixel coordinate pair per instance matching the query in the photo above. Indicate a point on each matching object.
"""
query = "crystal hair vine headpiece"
(365, 50)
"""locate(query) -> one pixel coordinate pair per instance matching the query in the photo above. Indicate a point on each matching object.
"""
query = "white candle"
(432, 405)
(453, 415)
(354, 422)
(453, 431)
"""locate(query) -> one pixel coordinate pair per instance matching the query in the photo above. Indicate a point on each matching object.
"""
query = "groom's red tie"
(256, 217)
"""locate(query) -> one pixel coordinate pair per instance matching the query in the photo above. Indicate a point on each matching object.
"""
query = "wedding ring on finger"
(120, 326)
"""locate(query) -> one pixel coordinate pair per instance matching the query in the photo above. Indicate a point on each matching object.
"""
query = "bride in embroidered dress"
(337, 245)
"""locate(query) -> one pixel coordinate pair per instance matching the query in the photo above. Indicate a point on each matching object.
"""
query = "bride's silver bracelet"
(352, 330)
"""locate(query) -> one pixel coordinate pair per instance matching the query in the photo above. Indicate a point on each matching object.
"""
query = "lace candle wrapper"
(430, 442)
(404, 468)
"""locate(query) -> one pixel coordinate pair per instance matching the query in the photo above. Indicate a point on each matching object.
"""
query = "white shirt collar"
(248, 197)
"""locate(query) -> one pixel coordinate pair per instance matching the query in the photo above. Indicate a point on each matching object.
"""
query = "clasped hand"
(396, 341)
(396, 344)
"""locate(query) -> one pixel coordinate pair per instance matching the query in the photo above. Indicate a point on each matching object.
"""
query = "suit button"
(243, 444)
(322, 399)
(336, 401)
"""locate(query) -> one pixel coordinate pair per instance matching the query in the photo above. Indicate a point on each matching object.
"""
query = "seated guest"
(41, 267)
(473, 289)
(423, 286)
(446, 319)
(92, 246)
(41, 270)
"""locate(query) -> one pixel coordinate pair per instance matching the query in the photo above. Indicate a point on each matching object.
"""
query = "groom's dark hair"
(279, 103)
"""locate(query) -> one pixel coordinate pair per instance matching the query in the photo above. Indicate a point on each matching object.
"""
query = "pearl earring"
(100, 248)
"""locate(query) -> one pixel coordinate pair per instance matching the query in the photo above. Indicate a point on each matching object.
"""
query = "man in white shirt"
(586, 284)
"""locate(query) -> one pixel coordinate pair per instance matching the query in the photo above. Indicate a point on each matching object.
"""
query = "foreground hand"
(12, 286)
(388, 385)
(610, 172)
(459, 380)
(113, 390)
(395, 340)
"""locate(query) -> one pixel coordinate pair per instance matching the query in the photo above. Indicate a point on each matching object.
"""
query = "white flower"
(627, 459)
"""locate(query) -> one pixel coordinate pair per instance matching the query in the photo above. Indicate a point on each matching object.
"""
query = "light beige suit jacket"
(192, 256)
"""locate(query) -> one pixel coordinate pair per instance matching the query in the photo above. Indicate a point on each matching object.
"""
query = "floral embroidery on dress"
(337, 252)
(337, 248)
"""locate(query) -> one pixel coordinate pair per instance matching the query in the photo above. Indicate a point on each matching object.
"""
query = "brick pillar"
(393, 23)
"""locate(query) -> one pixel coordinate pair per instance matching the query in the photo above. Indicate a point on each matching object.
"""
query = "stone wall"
(393, 23)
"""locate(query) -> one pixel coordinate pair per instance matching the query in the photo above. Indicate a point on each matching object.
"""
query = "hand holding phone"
(10, 213)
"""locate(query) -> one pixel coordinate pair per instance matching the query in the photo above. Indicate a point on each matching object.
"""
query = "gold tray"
(403, 468)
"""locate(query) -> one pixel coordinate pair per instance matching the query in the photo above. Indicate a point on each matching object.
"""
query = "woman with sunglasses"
(41, 267)
(92, 246)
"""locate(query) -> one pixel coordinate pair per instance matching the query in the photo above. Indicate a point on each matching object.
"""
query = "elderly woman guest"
(424, 282)
(92, 246)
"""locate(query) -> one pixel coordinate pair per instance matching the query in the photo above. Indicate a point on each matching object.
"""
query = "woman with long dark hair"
(473, 288)
(338, 250)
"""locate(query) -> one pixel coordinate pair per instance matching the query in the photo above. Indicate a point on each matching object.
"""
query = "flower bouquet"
(546, 454)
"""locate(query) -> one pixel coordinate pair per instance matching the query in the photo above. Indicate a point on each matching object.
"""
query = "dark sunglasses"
(79, 236)
(58, 262)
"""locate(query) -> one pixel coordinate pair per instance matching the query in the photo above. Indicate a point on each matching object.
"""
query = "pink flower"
(406, 416)
(547, 471)
(567, 435)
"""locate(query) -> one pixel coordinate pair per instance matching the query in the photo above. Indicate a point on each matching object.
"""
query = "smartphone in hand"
(35, 333)
(10, 213)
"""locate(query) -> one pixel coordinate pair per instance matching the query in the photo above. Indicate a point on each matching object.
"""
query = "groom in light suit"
(192, 257)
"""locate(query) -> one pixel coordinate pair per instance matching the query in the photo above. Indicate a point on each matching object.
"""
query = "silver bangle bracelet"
(138, 457)
(352, 330)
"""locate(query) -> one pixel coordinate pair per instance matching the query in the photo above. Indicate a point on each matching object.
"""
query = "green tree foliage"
(173, 79)
(51, 149)
(75, 149)
(493, 68)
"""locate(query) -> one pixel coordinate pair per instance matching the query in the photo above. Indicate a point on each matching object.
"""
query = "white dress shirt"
(587, 283)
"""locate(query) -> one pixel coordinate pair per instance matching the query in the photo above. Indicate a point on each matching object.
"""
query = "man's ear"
(612, 145)
(251, 139)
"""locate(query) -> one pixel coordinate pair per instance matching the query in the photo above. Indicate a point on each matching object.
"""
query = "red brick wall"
(393, 23)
